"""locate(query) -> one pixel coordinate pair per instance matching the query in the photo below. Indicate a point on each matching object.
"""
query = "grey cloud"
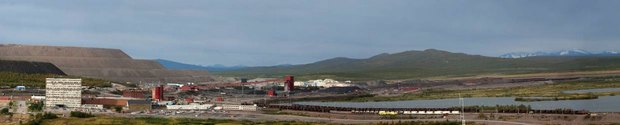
(258, 32)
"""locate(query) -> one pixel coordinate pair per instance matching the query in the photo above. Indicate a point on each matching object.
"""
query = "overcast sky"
(270, 32)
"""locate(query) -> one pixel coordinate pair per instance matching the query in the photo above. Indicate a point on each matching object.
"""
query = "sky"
(272, 32)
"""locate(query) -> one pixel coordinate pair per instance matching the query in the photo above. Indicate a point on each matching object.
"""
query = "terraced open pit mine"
(109, 64)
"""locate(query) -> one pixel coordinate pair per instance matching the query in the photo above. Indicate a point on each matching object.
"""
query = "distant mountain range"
(429, 63)
(182, 66)
(574, 52)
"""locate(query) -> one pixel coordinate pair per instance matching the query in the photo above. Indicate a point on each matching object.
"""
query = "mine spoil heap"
(29, 67)
(109, 64)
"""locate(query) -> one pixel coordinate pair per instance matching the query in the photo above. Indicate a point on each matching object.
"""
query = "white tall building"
(63, 92)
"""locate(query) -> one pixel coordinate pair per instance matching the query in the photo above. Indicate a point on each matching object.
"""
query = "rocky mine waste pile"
(29, 67)
(109, 64)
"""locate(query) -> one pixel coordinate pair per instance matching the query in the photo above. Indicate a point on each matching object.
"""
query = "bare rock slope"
(109, 64)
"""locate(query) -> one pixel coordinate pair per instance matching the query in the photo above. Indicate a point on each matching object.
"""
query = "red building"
(158, 93)
(289, 83)
(171, 88)
(409, 89)
(272, 93)
(170, 98)
(134, 94)
(12, 98)
(105, 102)
(188, 88)
(189, 100)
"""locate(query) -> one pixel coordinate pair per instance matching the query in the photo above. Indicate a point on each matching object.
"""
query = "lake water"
(602, 104)
(594, 90)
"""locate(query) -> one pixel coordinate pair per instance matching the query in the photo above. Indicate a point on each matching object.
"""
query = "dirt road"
(255, 116)
(22, 107)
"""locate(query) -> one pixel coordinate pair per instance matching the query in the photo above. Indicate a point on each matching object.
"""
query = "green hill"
(427, 63)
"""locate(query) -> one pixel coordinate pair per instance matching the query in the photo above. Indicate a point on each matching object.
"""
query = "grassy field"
(38, 80)
(548, 90)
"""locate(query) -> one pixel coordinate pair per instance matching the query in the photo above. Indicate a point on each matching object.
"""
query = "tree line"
(12, 79)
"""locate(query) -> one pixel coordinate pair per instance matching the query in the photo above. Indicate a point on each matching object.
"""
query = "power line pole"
(462, 109)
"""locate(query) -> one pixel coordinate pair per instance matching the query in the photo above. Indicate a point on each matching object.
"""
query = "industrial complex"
(66, 94)
(196, 95)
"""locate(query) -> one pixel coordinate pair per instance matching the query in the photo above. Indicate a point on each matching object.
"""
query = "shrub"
(39, 117)
(49, 115)
(35, 107)
(78, 114)
(118, 109)
(5, 111)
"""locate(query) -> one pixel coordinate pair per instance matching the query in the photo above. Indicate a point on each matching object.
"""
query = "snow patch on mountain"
(573, 52)
(611, 52)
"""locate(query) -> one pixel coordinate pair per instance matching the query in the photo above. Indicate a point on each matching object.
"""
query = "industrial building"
(92, 106)
(189, 88)
(108, 101)
(189, 107)
(5, 100)
(238, 107)
(289, 83)
(37, 98)
(134, 94)
(62, 92)
(158, 93)
(139, 105)
(325, 83)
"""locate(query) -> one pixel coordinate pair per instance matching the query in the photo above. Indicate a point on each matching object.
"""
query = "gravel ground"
(498, 119)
